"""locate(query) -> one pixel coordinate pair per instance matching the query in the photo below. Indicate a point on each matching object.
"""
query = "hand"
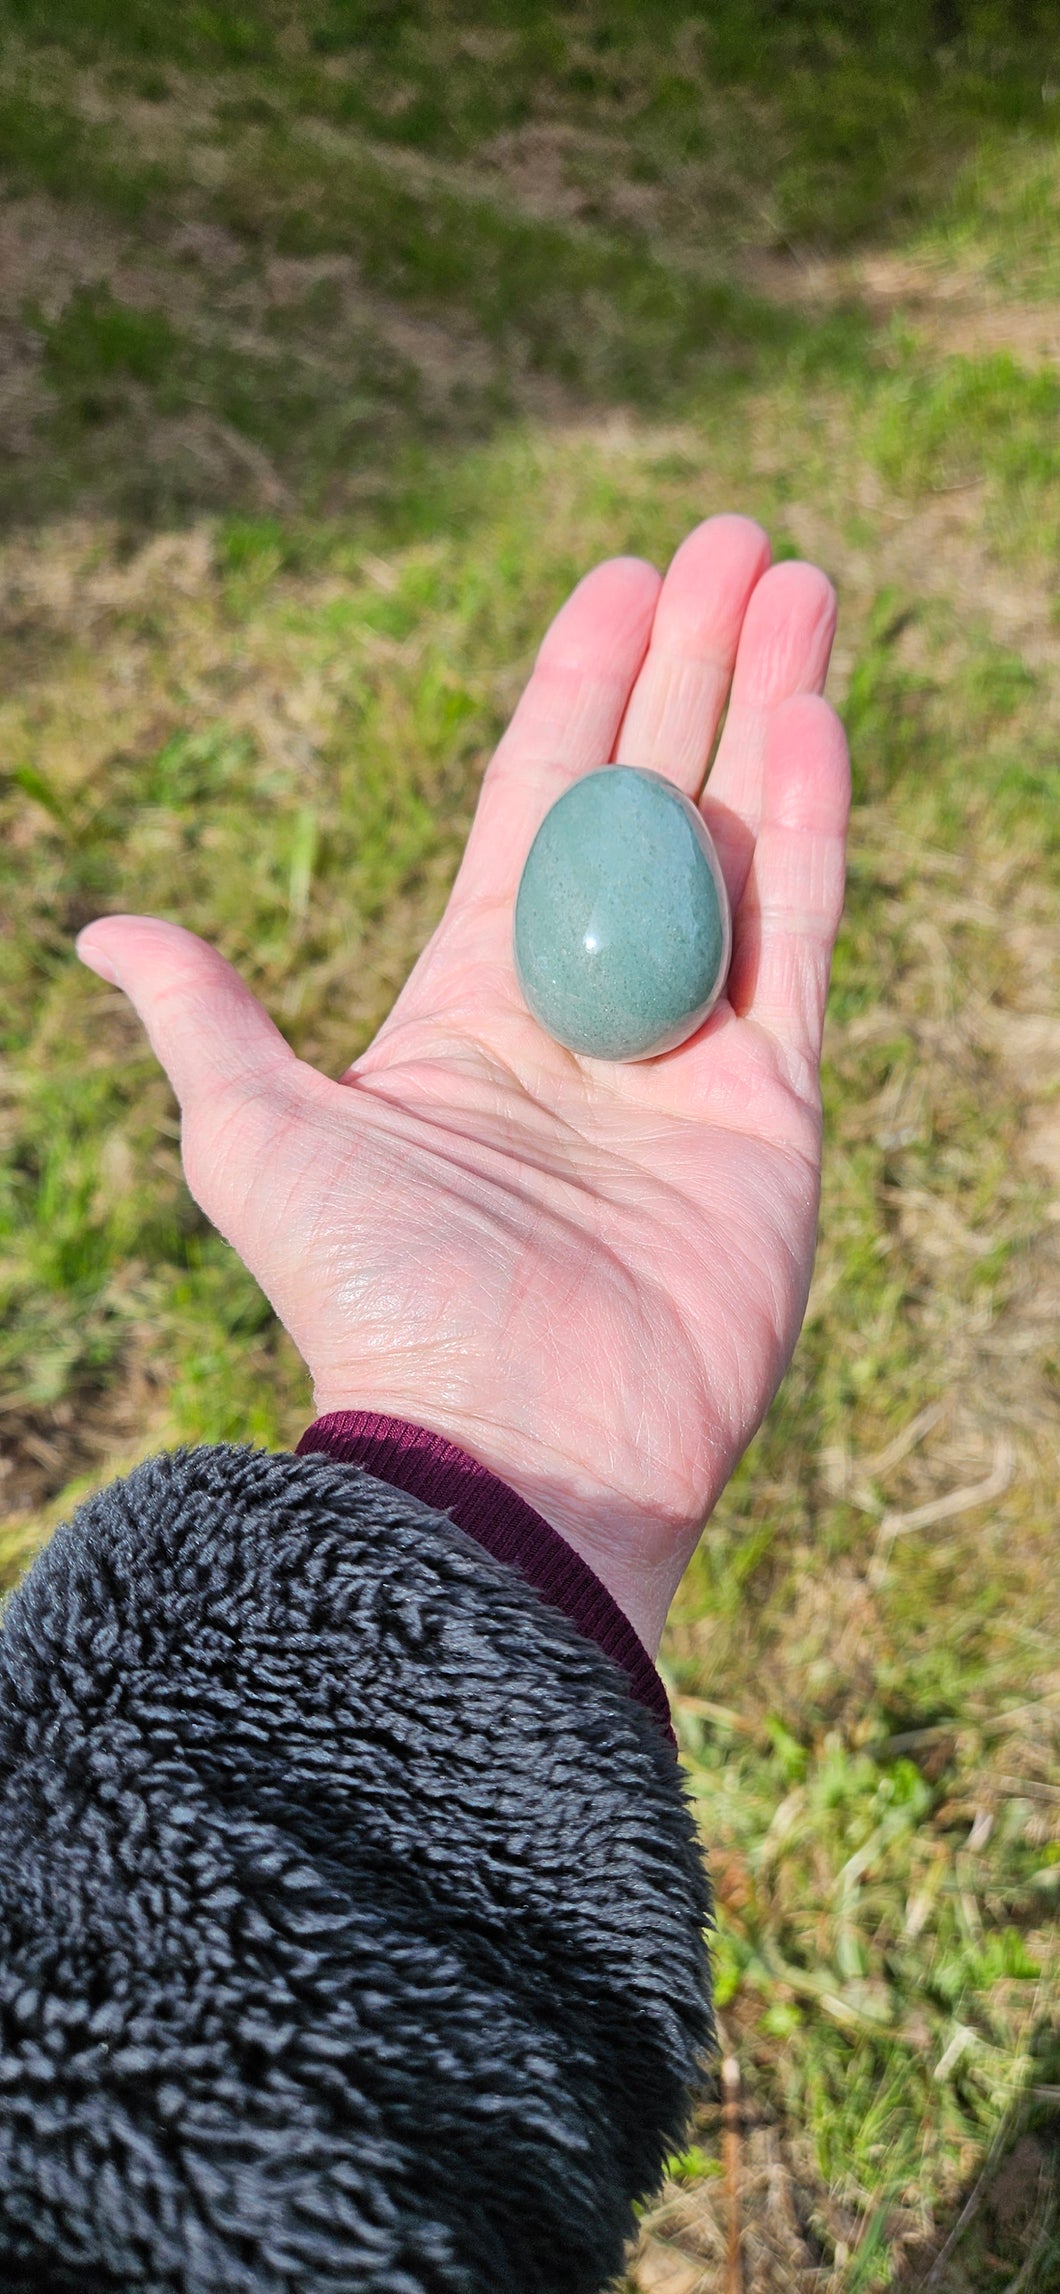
(589, 1276)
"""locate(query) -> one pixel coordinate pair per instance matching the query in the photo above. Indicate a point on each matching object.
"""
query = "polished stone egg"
(622, 934)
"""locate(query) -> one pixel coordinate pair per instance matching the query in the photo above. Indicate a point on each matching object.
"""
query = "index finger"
(566, 723)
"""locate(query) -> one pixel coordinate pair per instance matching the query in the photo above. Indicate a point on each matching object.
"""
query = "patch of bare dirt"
(84, 576)
(765, 2225)
(44, 258)
(46, 251)
(204, 282)
(23, 395)
(954, 313)
(208, 245)
(561, 173)
(448, 357)
(1041, 1146)
(161, 126)
(768, 2225)
(932, 547)
(42, 1451)
(1029, 332)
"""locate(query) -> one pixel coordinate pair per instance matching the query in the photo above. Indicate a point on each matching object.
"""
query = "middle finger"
(676, 704)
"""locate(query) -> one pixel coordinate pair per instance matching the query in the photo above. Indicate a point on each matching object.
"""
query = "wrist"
(429, 1466)
(622, 1545)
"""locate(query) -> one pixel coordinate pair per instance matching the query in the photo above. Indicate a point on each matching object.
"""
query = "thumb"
(218, 1046)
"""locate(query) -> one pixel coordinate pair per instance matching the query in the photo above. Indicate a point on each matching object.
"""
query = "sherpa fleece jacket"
(351, 1913)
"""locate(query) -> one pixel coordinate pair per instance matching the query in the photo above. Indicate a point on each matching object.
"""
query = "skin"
(591, 1277)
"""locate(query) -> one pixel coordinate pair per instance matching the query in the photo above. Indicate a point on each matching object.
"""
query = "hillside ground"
(335, 343)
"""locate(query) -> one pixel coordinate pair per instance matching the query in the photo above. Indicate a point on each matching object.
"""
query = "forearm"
(351, 1915)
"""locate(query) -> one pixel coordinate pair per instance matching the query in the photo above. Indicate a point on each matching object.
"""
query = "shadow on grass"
(266, 259)
(318, 336)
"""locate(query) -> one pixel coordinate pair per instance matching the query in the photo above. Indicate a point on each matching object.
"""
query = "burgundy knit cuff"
(426, 1466)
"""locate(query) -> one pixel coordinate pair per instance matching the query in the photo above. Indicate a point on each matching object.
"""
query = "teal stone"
(622, 929)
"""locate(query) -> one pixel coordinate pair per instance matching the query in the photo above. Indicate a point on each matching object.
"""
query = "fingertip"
(711, 579)
(104, 943)
(729, 530)
(631, 580)
(704, 597)
(110, 943)
(787, 637)
(91, 953)
(800, 577)
(811, 594)
(624, 572)
(618, 597)
(626, 565)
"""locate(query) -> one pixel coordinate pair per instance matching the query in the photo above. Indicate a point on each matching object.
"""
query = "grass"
(337, 342)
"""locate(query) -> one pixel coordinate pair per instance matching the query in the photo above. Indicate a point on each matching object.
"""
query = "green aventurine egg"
(622, 928)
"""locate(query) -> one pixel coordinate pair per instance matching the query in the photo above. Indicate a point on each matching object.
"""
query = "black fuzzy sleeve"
(350, 1910)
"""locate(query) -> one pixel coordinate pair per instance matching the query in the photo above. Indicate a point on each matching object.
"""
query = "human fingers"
(784, 649)
(566, 722)
(786, 923)
(677, 702)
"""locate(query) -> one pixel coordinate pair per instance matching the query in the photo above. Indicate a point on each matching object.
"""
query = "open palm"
(589, 1276)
